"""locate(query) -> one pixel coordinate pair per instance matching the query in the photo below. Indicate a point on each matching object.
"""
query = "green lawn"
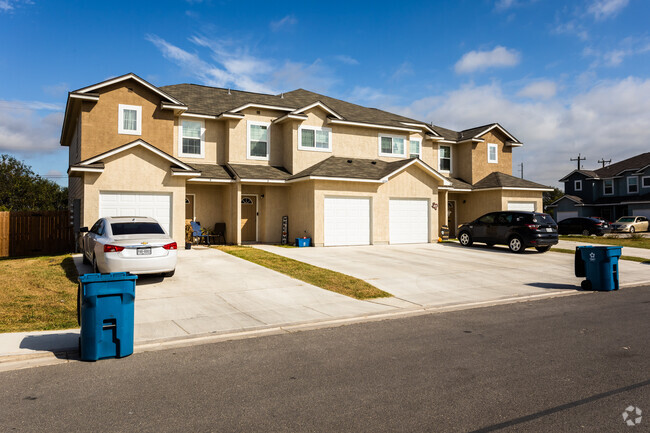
(637, 242)
(630, 258)
(38, 293)
(320, 277)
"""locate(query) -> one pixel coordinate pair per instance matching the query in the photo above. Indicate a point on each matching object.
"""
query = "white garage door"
(564, 215)
(347, 221)
(522, 205)
(641, 212)
(157, 206)
(408, 221)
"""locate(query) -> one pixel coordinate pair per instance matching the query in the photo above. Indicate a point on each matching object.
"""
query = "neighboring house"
(343, 174)
(619, 189)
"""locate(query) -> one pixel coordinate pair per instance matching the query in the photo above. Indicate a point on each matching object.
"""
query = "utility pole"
(578, 159)
(521, 169)
(604, 161)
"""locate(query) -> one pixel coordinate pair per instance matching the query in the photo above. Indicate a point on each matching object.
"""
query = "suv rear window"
(543, 218)
(137, 229)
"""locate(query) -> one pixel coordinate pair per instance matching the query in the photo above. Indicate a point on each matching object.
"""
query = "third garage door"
(347, 221)
(408, 221)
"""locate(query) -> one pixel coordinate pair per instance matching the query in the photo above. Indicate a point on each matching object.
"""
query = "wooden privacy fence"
(35, 233)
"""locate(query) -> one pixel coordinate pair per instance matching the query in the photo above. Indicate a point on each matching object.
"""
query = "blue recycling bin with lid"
(599, 265)
(105, 310)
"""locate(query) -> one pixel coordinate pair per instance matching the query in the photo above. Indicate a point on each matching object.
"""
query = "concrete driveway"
(448, 274)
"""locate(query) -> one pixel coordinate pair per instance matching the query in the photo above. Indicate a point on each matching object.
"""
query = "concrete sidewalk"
(627, 251)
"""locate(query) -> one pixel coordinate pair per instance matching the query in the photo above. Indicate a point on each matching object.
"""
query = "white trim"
(130, 76)
(262, 180)
(565, 178)
(452, 189)
(473, 140)
(338, 179)
(257, 211)
(290, 116)
(168, 106)
(419, 140)
(317, 104)
(193, 207)
(445, 182)
(496, 153)
(144, 144)
(512, 144)
(207, 180)
(315, 128)
(444, 141)
(250, 123)
(268, 107)
(451, 159)
(628, 185)
(198, 116)
(512, 188)
(577, 185)
(201, 154)
(643, 180)
(230, 116)
(642, 169)
(371, 125)
(421, 125)
(84, 97)
(392, 137)
(496, 125)
(604, 190)
(86, 169)
(186, 173)
(120, 119)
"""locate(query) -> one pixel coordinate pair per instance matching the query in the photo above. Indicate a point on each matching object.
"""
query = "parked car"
(129, 244)
(631, 224)
(583, 226)
(518, 230)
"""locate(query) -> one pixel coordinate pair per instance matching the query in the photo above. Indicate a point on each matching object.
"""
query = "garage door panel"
(347, 221)
(156, 206)
(408, 221)
(641, 212)
(528, 206)
(567, 214)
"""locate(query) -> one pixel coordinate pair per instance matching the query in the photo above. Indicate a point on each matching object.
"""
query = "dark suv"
(518, 230)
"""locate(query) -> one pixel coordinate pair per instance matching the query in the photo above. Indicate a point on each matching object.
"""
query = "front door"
(249, 218)
(189, 207)
(451, 213)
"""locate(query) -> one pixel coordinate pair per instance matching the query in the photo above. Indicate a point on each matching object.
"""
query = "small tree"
(551, 196)
(23, 190)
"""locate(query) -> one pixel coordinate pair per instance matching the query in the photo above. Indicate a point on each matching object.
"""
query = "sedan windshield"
(137, 229)
(625, 220)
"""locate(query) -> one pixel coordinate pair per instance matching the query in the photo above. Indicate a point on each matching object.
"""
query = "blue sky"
(563, 77)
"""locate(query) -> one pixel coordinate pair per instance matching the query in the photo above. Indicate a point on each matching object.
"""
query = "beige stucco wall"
(208, 203)
(214, 138)
(301, 209)
(523, 196)
(136, 170)
(271, 206)
(99, 120)
(237, 136)
(410, 183)
(480, 165)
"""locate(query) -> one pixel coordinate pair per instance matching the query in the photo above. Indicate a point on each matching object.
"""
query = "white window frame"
(496, 153)
(200, 155)
(419, 141)
(392, 155)
(120, 119)
(643, 182)
(577, 185)
(248, 140)
(315, 128)
(451, 158)
(628, 184)
(605, 186)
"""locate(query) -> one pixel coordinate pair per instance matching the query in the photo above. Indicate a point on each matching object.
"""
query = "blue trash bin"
(106, 315)
(599, 266)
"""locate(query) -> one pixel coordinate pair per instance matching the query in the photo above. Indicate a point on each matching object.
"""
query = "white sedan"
(129, 244)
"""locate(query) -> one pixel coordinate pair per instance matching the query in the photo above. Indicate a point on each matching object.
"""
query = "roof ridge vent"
(282, 95)
(229, 91)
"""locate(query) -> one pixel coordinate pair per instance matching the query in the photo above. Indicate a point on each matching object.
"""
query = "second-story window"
(258, 140)
(577, 185)
(493, 153)
(315, 138)
(632, 185)
(129, 119)
(191, 139)
(444, 158)
(415, 150)
(391, 145)
(608, 186)
(645, 182)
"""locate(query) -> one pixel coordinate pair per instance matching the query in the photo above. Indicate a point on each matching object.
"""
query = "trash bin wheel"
(586, 285)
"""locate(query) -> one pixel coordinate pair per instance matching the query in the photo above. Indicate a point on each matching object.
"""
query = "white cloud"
(369, 96)
(544, 89)
(24, 130)
(234, 67)
(499, 57)
(284, 23)
(405, 69)
(10, 5)
(571, 27)
(628, 47)
(346, 59)
(608, 120)
(504, 4)
(603, 9)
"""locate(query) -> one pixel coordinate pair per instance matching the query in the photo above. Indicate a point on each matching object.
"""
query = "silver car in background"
(129, 244)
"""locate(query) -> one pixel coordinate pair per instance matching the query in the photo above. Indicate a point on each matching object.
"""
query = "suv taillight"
(532, 226)
(112, 249)
(171, 246)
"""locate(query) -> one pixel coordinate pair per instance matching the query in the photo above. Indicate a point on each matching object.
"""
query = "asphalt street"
(563, 364)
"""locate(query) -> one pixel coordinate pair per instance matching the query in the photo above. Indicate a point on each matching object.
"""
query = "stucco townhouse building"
(341, 173)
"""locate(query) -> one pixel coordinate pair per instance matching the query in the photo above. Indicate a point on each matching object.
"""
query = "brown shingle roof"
(458, 183)
(212, 171)
(634, 163)
(352, 168)
(259, 172)
(502, 180)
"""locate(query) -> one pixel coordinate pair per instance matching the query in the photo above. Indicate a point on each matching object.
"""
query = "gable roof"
(636, 163)
(573, 198)
(589, 174)
(501, 180)
(475, 133)
(129, 76)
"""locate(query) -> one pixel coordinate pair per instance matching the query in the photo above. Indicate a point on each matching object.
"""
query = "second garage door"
(528, 206)
(156, 206)
(347, 221)
(408, 221)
